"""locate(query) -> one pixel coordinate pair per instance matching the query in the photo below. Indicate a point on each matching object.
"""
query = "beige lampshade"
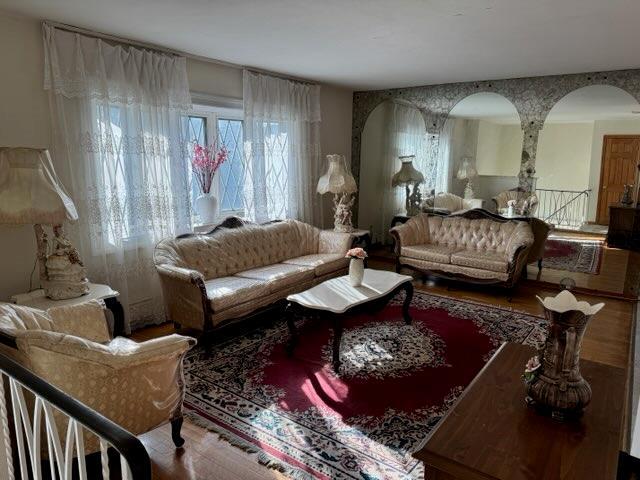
(407, 172)
(467, 170)
(30, 192)
(338, 178)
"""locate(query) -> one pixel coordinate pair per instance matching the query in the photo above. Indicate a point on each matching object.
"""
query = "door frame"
(602, 158)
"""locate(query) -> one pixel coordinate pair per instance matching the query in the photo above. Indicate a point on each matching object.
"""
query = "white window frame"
(212, 114)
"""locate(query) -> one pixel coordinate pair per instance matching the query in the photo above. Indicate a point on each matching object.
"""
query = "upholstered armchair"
(139, 386)
(526, 202)
(451, 203)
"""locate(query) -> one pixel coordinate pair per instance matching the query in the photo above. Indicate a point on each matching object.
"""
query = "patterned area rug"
(396, 381)
(573, 255)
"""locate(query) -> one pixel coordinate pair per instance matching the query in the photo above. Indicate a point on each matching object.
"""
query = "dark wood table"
(335, 299)
(624, 227)
(490, 433)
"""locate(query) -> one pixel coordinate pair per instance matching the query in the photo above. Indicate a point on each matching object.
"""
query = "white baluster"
(124, 468)
(68, 450)
(52, 433)
(6, 434)
(104, 459)
(82, 467)
(35, 444)
(17, 422)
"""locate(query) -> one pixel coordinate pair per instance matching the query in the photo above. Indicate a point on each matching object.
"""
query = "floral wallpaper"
(533, 97)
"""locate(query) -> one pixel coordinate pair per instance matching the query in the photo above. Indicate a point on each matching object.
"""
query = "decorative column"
(531, 131)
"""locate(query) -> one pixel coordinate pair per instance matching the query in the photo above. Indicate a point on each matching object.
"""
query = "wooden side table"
(490, 433)
(624, 227)
(37, 299)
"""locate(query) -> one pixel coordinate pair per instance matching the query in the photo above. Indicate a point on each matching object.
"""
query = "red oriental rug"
(573, 255)
(396, 381)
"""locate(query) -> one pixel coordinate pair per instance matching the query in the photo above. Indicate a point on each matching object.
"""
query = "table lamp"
(339, 181)
(30, 193)
(468, 172)
(409, 176)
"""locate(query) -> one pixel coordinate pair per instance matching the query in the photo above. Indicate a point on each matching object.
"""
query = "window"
(226, 125)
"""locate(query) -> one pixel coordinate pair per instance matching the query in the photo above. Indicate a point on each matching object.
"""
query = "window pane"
(194, 129)
(276, 153)
(232, 171)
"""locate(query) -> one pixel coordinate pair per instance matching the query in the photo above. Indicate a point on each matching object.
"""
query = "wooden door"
(620, 156)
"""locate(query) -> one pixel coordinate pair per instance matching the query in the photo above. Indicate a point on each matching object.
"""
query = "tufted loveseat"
(231, 272)
(480, 250)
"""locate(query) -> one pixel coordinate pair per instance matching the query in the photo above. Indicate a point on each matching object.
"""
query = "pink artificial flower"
(205, 163)
(358, 253)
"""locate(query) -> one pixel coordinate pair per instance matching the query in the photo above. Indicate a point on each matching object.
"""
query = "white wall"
(372, 183)
(499, 149)
(569, 155)
(25, 121)
(563, 156)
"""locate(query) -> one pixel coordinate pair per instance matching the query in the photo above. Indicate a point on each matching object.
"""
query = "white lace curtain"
(404, 134)
(118, 148)
(282, 148)
(440, 170)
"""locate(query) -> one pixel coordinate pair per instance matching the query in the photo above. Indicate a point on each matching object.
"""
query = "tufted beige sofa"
(232, 272)
(481, 250)
(139, 386)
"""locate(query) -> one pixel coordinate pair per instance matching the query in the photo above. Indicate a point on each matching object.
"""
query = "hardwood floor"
(204, 456)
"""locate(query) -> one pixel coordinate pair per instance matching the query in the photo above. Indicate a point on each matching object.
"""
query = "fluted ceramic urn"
(558, 388)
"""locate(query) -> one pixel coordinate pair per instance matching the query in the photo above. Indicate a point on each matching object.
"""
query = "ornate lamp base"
(468, 190)
(342, 204)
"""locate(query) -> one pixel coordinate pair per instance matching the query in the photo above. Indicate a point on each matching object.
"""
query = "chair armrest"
(414, 231)
(522, 238)
(185, 296)
(178, 273)
(123, 352)
(86, 320)
(334, 242)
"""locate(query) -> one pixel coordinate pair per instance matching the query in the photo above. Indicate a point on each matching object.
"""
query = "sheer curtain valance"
(282, 148)
(279, 99)
(80, 66)
(118, 146)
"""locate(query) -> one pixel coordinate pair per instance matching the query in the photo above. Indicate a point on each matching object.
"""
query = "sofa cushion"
(322, 263)
(279, 275)
(430, 253)
(485, 260)
(225, 292)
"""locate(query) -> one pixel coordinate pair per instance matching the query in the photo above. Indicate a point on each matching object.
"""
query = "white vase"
(356, 272)
(206, 207)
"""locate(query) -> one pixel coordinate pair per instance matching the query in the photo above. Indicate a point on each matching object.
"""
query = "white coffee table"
(335, 298)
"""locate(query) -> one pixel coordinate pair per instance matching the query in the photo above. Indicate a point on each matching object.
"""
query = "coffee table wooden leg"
(408, 288)
(293, 332)
(337, 337)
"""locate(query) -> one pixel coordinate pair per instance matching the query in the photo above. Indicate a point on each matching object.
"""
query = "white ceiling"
(371, 44)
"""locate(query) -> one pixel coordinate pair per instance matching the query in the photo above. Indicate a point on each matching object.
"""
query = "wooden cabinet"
(490, 433)
(624, 227)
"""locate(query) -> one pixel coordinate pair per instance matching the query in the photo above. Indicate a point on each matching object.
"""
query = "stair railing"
(26, 425)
